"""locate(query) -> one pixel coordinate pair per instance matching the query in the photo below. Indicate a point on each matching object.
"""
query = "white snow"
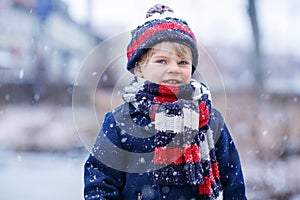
(43, 127)
(37, 176)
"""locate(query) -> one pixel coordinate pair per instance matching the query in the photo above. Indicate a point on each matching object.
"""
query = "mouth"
(172, 82)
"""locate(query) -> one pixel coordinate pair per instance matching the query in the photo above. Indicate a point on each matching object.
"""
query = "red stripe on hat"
(155, 29)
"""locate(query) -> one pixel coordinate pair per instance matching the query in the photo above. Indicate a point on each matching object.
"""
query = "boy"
(166, 141)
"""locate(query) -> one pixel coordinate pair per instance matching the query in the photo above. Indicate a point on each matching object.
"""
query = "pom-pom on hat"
(161, 25)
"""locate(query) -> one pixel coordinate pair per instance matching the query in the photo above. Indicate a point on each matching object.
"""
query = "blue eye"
(161, 61)
(183, 62)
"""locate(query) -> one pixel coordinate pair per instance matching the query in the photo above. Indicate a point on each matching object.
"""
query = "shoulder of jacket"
(118, 114)
(216, 115)
(112, 115)
(216, 123)
(121, 109)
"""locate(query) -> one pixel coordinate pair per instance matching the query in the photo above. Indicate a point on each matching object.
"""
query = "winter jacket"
(121, 163)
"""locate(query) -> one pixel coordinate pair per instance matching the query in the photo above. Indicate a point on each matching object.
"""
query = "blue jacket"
(120, 165)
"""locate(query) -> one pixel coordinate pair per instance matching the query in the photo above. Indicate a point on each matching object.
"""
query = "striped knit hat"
(161, 26)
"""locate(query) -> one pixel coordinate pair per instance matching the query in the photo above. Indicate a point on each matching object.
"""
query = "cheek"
(153, 70)
(153, 74)
(187, 79)
(187, 75)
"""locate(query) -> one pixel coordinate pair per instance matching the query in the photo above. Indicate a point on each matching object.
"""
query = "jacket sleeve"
(230, 167)
(103, 174)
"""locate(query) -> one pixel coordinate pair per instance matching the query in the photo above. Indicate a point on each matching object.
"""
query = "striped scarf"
(184, 150)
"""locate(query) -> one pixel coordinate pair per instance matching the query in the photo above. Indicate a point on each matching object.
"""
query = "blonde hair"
(180, 49)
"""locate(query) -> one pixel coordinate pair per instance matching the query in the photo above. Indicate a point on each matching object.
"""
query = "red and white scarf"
(184, 152)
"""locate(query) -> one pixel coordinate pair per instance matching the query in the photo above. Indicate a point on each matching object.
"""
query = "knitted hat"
(161, 26)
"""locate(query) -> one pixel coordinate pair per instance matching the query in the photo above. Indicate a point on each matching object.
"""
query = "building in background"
(40, 45)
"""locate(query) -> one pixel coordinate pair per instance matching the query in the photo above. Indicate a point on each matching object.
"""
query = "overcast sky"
(214, 21)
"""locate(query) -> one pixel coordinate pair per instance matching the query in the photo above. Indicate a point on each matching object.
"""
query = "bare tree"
(258, 69)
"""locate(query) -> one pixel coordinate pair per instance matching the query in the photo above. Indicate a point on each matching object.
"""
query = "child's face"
(166, 63)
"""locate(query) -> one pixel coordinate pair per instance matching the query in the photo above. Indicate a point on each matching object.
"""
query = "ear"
(138, 71)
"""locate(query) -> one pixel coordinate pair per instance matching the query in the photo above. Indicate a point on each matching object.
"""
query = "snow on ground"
(38, 128)
(39, 151)
(271, 180)
(36, 176)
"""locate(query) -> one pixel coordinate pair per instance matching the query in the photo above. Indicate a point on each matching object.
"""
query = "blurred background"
(250, 58)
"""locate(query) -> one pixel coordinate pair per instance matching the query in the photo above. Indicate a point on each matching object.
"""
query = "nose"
(173, 68)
